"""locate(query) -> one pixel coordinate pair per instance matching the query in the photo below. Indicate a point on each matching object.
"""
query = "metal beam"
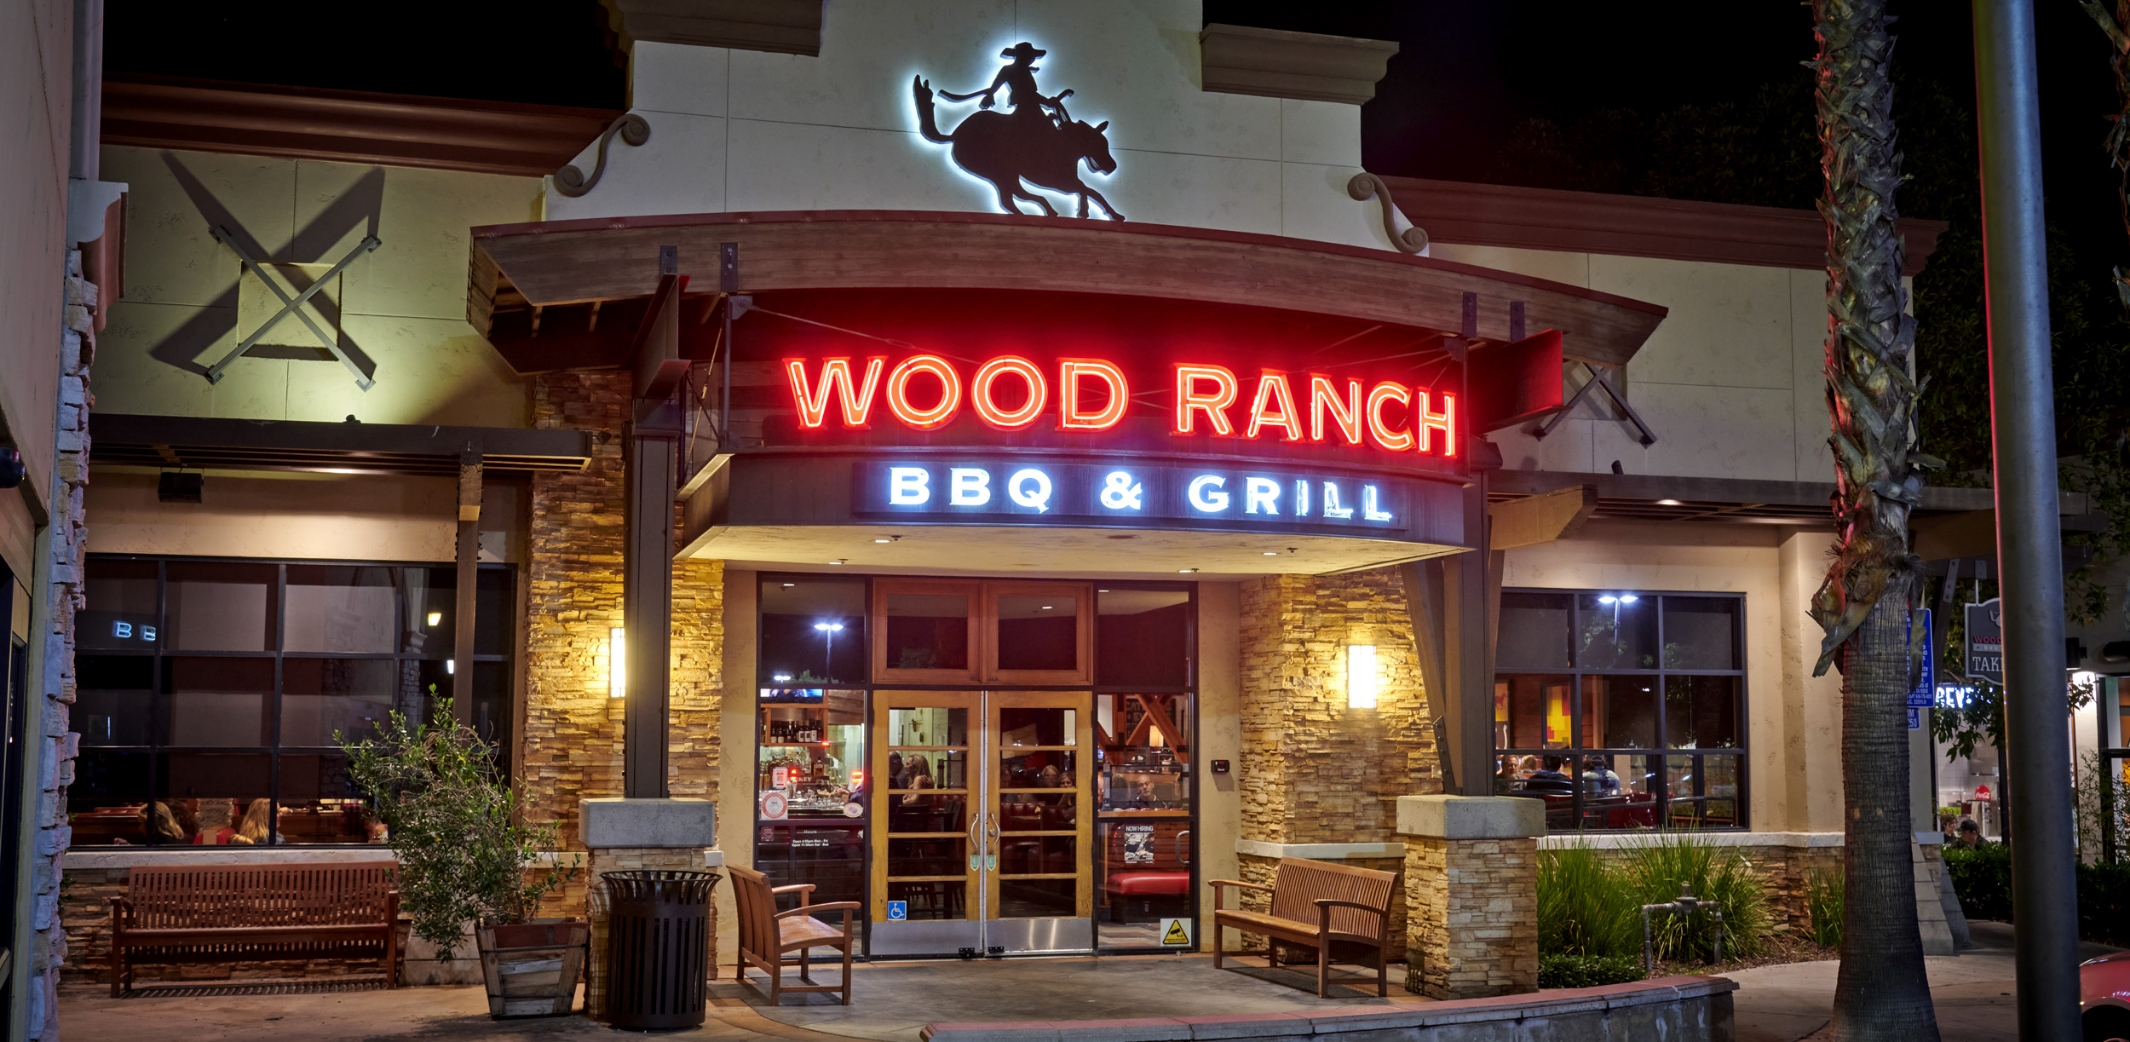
(469, 559)
(204, 441)
(2023, 433)
(653, 459)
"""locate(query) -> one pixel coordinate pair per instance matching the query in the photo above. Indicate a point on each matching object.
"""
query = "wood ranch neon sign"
(1011, 393)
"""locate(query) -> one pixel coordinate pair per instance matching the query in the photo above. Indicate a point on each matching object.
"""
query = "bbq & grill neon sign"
(1012, 393)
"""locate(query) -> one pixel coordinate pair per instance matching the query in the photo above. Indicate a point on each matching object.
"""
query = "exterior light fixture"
(828, 630)
(839, 560)
(883, 540)
(1186, 571)
(436, 618)
(782, 678)
(1669, 503)
(617, 659)
(790, 585)
(450, 667)
(1607, 599)
(1361, 679)
(1046, 607)
(1272, 553)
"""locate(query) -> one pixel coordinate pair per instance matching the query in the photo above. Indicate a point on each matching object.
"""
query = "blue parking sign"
(898, 911)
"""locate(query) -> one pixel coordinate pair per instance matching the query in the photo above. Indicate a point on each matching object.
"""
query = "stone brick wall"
(1475, 916)
(1312, 769)
(573, 730)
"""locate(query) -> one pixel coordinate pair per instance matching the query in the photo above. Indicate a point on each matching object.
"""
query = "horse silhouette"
(1007, 149)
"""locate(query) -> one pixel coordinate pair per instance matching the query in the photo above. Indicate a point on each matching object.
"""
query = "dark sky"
(1467, 72)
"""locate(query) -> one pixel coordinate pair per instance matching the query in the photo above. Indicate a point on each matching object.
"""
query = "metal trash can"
(658, 948)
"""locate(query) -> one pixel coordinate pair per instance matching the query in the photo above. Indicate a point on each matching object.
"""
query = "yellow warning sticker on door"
(1176, 932)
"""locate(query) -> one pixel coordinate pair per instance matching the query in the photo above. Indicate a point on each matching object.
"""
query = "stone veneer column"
(1471, 879)
(1318, 778)
(572, 738)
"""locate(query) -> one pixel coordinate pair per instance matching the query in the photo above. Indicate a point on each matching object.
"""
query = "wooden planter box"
(532, 968)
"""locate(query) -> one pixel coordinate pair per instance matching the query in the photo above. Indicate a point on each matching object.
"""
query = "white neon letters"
(1205, 494)
(909, 486)
(1062, 492)
(968, 487)
(1260, 493)
(1030, 488)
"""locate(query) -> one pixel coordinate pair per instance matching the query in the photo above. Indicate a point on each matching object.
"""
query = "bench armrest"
(1220, 889)
(1324, 905)
(846, 907)
(795, 888)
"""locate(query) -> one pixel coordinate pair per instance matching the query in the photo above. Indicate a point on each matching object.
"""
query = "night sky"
(1466, 75)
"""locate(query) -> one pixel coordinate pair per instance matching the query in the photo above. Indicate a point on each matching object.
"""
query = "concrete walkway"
(1973, 992)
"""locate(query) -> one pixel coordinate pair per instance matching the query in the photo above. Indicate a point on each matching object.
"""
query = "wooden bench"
(1317, 904)
(255, 912)
(767, 936)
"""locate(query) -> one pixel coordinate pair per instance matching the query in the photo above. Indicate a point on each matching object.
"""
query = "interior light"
(450, 667)
(838, 560)
(436, 618)
(790, 585)
(1046, 607)
(617, 658)
(1361, 676)
(1669, 503)
(1272, 553)
(1185, 571)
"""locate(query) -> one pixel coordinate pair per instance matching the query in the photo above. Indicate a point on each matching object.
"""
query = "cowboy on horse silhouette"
(1038, 142)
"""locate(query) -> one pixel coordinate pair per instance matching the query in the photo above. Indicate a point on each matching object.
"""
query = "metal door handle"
(975, 844)
(1183, 846)
(991, 847)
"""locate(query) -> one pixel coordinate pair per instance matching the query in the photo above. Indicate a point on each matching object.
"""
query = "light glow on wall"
(1362, 680)
(617, 658)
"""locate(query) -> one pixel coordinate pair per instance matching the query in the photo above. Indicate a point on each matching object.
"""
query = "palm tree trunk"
(1881, 992)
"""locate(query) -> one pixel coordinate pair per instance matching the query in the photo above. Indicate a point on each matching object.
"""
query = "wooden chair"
(253, 912)
(1317, 903)
(767, 936)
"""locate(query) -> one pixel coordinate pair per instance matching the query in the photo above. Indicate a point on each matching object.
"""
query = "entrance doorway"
(981, 825)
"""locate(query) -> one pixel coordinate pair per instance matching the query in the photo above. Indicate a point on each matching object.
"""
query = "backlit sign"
(1127, 493)
(1011, 393)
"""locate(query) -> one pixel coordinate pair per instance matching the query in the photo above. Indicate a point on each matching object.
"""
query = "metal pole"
(2029, 551)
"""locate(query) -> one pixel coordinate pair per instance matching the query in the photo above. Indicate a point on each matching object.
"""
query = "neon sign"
(1128, 491)
(1012, 393)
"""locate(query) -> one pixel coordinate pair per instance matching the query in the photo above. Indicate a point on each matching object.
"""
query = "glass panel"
(928, 631)
(220, 606)
(1704, 791)
(1036, 898)
(1701, 632)
(1043, 770)
(495, 612)
(1534, 631)
(1038, 727)
(220, 701)
(120, 609)
(1701, 712)
(928, 725)
(1145, 877)
(935, 856)
(1038, 632)
(813, 631)
(350, 696)
(917, 812)
(430, 594)
(1037, 855)
(225, 794)
(1036, 812)
(319, 804)
(1140, 761)
(112, 698)
(937, 899)
(1143, 637)
(349, 609)
(1619, 631)
(1619, 792)
(107, 803)
(1533, 774)
(1531, 712)
(831, 858)
(1620, 712)
(814, 750)
(928, 770)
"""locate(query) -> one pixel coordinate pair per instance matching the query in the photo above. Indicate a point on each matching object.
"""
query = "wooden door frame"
(1083, 751)
(884, 796)
(1083, 594)
(884, 586)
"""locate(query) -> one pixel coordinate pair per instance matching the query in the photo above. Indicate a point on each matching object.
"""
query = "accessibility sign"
(898, 911)
(1176, 933)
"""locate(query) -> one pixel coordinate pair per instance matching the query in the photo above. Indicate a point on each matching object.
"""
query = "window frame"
(1663, 799)
(159, 749)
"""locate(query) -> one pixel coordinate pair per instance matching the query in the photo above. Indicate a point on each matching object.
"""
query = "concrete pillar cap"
(1471, 817)
(607, 822)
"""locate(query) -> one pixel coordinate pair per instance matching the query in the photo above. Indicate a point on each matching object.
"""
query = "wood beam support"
(651, 458)
(1542, 518)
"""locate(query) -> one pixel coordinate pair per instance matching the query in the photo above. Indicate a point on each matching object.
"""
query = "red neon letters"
(1339, 410)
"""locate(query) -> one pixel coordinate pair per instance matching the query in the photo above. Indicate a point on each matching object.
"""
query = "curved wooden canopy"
(529, 267)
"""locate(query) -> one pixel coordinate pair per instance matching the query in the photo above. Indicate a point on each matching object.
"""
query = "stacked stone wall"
(1475, 909)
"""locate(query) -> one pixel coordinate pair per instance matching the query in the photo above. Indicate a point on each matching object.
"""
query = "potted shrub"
(464, 857)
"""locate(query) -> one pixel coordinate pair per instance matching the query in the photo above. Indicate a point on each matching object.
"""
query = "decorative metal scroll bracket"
(1365, 186)
(570, 181)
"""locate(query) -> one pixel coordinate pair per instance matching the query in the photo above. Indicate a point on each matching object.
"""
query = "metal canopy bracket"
(292, 306)
(1597, 380)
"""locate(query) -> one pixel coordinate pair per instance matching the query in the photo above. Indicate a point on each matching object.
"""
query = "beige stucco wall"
(744, 130)
(1729, 382)
(1219, 738)
(36, 59)
(1792, 718)
(404, 305)
(736, 771)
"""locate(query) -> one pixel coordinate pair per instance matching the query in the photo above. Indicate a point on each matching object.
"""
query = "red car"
(2104, 997)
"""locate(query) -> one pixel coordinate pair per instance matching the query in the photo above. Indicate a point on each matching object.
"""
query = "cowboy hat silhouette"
(1023, 51)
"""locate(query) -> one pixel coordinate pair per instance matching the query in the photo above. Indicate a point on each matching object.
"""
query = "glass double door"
(982, 827)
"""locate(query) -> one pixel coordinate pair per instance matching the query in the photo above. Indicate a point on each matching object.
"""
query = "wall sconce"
(436, 619)
(617, 659)
(1361, 677)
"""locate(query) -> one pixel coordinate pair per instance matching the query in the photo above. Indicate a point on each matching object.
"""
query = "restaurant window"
(209, 691)
(1145, 733)
(1622, 709)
